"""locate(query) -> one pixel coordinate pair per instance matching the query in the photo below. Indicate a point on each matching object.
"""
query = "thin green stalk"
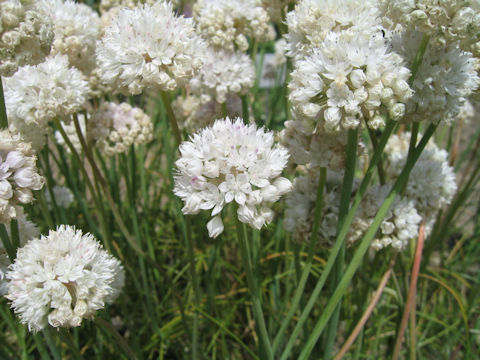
(7, 244)
(363, 247)
(373, 139)
(15, 236)
(105, 325)
(40, 197)
(341, 237)
(252, 288)
(3, 109)
(246, 115)
(308, 264)
(47, 334)
(171, 117)
(418, 58)
(348, 177)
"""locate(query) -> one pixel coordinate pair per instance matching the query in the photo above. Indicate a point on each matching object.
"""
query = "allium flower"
(227, 162)
(228, 23)
(224, 73)
(432, 181)
(445, 77)
(62, 194)
(148, 47)
(27, 230)
(349, 78)
(115, 127)
(76, 27)
(25, 35)
(37, 94)
(18, 175)
(192, 114)
(312, 20)
(62, 278)
(446, 22)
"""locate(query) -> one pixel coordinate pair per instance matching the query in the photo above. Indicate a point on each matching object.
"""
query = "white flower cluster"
(446, 22)
(115, 127)
(192, 114)
(349, 78)
(432, 181)
(228, 23)
(446, 76)
(62, 195)
(27, 230)
(312, 20)
(77, 29)
(62, 278)
(227, 162)
(35, 95)
(223, 73)
(25, 35)
(18, 175)
(148, 47)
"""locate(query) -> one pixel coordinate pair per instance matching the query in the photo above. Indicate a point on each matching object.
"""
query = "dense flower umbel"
(76, 27)
(18, 175)
(35, 95)
(348, 78)
(115, 127)
(227, 162)
(62, 278)
(148, 47)
(25, 35)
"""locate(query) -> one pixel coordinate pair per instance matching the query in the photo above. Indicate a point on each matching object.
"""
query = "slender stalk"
(246, 116)
(418, 58)
(118, 338)
(373, 139)
(308, 264)
(363, 247)
(3, 109)
(412, 293)
(252, 288)
(171, 117)
(366, 315)
(340, 238)
(7, 244)
(346, 195)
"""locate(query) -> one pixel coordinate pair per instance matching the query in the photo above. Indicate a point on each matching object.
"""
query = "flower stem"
(253, 289)
(119, 338)
(3, 110)
(171, 117)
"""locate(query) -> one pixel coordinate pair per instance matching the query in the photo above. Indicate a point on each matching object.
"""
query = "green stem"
(364, 245)
(196, 287)
(252, 288)
(7, 244)
(308, 265)
(390, 126)
(246, 115)
(348, 177)
(118, 338)
(3, 109)
(418, 58)
(373, 139)
(171, 117)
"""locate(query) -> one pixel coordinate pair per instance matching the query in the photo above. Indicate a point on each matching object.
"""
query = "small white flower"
(215, 227)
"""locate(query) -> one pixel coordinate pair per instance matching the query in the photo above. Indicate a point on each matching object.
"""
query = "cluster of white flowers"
(312, 20)
(77, 29)
(432, 181)
(27, 230)
(231, 161)
(115, 127)
(35, 95)
(25, 35)
(446, 76)
(223, 73)
(62, 195)
(228, 23)
(446, 22)
(193, 114)
(18, 175)
(148, 47)
(349, 78)
(62, 278)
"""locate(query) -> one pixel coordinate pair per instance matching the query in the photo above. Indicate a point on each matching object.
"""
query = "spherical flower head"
(116, 127)
(224, 73)
(62, 278)
(35, 95)
(312, 20)
(445, 77)
(228, 23)
(25, 35)
(27, 230)
(349, 79)
(432, 181)
(18, 175)
(149, 47)
(231, 162)
(77, 29)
